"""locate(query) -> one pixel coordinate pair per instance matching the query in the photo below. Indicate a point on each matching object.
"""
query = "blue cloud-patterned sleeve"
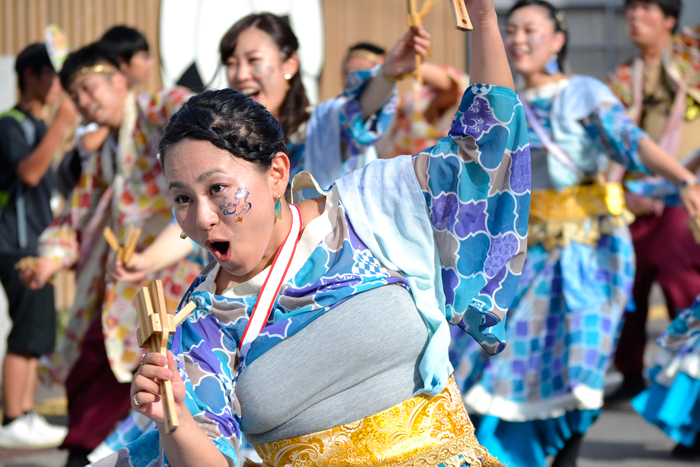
(208, 367)
(208, 364)
(476, 183)
(617, 135)
(359, 134)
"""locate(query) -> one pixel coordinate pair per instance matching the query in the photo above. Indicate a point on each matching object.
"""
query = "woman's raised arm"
(489, 64)
(400, 61)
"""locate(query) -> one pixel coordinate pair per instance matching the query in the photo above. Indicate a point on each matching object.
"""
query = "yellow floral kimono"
(120, 186)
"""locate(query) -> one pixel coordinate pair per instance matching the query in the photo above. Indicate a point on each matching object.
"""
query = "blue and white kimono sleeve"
(209, 376)
(684, 327)
(616, 135)
(336, 125)
(453, 221)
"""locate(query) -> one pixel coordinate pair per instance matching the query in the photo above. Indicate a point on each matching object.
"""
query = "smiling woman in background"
(260, 55)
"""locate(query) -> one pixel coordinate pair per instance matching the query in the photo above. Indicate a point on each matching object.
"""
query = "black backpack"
(17, 188)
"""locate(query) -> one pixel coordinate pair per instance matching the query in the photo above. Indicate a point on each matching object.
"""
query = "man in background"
(26, 149)
(662, 94)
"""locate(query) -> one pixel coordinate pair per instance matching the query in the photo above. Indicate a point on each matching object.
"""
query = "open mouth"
(250, 92)
(221, 250)
(518, 53)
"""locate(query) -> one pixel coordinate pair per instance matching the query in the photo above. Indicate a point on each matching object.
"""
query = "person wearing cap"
(27, 145)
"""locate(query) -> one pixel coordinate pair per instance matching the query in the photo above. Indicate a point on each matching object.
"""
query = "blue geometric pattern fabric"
(565, 317)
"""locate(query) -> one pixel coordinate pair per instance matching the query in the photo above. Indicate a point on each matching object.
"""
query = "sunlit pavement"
(621, 437)
(46, 458)
(52, 404)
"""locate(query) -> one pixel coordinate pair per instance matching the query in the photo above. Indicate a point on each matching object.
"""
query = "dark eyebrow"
(201, 178)
(208, 174)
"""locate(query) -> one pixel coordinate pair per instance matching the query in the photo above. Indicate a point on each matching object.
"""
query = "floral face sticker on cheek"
(263, 72)
(535, 40)
(238, 207)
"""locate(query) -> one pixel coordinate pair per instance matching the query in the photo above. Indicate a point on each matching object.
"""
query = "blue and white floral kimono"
(332, 143)
(449, 225)
(673, 401)
(335, 138)
(548, 383)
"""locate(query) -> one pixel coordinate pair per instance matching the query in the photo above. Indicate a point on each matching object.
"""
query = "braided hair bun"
(228, 120)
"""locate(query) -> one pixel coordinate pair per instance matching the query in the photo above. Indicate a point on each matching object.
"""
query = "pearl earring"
(287, 76)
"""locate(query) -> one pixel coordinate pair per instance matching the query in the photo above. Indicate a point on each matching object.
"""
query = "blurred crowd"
(611, 178)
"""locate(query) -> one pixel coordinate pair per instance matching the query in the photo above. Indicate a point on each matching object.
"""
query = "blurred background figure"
(260, 56)
(661, 89)
(423, 114)
(672, 402)
(136, 63)
(361, 57)
(27, 146)
(120, 187)
(545, 389)
(132, 51)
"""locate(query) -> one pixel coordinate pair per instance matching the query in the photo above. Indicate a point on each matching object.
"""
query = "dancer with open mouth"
(322, 329)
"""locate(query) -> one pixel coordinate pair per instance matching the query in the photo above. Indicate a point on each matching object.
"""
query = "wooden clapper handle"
(460, 15)
(124, 254)
(155, 326)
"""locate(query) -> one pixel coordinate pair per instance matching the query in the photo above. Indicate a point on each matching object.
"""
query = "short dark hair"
(369, 47)
(90, 55)
(557, 17)
(124, 42)
(293, 109)
(34, 57)
(670, 8)
(230, 121)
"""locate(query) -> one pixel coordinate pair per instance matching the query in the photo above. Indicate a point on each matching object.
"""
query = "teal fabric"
(675, 410)
(527, 444)
(672, 403)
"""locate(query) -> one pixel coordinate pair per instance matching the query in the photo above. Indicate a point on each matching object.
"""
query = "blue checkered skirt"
(561, 334)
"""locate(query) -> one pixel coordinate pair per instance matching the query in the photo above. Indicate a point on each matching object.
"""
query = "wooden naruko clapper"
(155, 326)
(415, 19)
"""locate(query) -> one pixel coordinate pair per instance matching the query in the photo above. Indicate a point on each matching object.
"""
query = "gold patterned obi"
(421, 431)
(580, 213)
